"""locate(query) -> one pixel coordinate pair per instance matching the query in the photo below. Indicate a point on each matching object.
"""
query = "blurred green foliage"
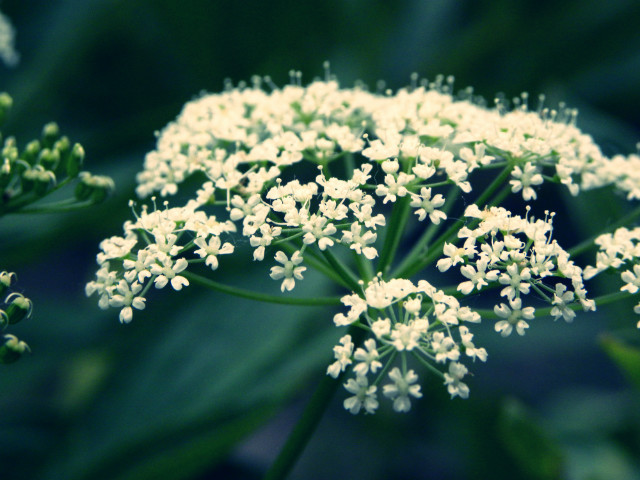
(201, 386)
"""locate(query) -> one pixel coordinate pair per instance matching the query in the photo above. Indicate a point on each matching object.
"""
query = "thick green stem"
(303, 430)
(260, 297)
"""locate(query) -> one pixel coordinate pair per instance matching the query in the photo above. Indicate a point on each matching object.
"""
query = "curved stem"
(588, 243)
(260, 297)
(303, 430)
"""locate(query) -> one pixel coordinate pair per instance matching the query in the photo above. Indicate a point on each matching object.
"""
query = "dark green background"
(178, 393)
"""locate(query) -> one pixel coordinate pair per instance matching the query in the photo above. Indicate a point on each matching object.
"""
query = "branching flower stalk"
(28, 177)
(384, 195)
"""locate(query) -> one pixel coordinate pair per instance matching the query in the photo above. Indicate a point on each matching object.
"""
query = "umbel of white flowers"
(376, 166)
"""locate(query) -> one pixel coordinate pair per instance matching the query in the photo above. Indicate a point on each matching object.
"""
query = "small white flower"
(359, 242)
(428, 206)
(368, 358)
(364, 395)
(477, 278)
(452, 380)
(523, 179)
(342, 353)
(632, 279)
(211, 250)
(513, 318)
(167, 271)
(405, 337)
(401, 389)
(561, 298)
(127, 298)
(444, 347)
(289, 270)
(516, 280)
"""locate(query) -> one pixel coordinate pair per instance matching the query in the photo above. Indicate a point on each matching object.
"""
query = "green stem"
(313, 260)
(394, 231)
(342, 270)
(588, 243)
(260, 297)
(543, 312)
(481, 201)
(418, 249)
(57, 207)
(22, 200)
(303, 430)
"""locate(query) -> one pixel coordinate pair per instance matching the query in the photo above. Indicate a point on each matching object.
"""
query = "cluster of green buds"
(16, 308)
(42, 167)
(28, 175)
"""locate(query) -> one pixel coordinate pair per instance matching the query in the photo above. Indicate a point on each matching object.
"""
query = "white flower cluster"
(403, 319)
(516, 254)
(618, 250)
(153, 251)
(306, 171)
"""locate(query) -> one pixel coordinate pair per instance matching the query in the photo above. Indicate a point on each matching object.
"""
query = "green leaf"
(189, 382)
(530, 445)
(626, 357)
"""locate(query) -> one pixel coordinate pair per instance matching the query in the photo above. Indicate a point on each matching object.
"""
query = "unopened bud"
(50, 133)
(11, 349)
(6, 279)
(38, 179)
(49, 159)
(5, 105)
(31, 152)
(74, 162)
(94, 187)
(19, 307)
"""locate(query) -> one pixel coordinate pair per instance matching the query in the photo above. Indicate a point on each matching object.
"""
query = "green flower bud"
(6, 279)
(49, 159)
(50, 133)
(5, 105)
(31, 152)
(19, 307)
(38, 179)
(11, 349)
(4, 319)
(10, 149)
(5, 173)
(63, 147)
(74, 162)
(94, 187)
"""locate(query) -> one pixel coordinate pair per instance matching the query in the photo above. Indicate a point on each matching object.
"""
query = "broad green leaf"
(193, 381)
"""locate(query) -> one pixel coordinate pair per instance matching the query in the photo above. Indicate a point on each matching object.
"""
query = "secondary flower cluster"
(617, 251)
(403, 319)
(516, 254)
(316, 175)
